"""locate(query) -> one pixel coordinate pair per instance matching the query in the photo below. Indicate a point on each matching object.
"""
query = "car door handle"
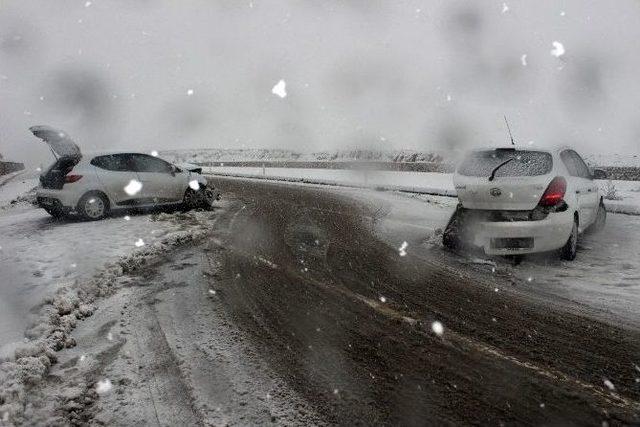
(590, 190)
(577, 191)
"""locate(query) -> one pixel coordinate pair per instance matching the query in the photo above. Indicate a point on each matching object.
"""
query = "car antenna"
(509, 129)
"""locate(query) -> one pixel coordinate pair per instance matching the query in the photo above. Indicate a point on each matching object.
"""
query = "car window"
(569, 162)
(521, 163)
(581, 166)
(575, 165)
(146, 163)
(114, 162)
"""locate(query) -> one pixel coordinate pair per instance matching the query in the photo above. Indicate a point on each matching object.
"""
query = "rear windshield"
(524, 163)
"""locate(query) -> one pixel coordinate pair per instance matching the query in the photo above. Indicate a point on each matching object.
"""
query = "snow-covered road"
(165, 323)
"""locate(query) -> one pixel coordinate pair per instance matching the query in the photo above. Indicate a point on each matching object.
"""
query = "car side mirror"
(174, 170)
(599, 174)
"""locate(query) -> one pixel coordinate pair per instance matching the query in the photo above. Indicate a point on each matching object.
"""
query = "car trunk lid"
(513, 193)
(67, 154)
(519, 179)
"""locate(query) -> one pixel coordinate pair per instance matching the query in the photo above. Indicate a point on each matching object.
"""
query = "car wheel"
(93, 206)
(601, 219)
(569, 250)
(451, 237)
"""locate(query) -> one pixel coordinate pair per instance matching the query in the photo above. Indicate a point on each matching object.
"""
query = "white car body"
(93, 184)
(160, 186)
(509, 217)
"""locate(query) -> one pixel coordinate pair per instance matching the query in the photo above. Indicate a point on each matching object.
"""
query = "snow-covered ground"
(228, 155)
(421, 182)
(38, 254)
(612, 159)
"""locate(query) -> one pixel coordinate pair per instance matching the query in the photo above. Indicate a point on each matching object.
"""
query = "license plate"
(512, 243)
(47, 201)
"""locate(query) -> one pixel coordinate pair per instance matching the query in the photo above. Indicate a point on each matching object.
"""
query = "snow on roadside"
(59, 313)
(19, 188)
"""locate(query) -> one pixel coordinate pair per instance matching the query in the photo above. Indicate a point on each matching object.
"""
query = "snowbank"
(58, 315)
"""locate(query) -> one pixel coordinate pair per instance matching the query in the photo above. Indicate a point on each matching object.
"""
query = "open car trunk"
(65, 151)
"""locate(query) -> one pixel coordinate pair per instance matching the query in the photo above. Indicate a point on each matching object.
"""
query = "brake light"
(554, 192)
(71, 178)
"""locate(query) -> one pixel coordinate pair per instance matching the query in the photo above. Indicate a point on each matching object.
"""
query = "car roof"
(108, 152)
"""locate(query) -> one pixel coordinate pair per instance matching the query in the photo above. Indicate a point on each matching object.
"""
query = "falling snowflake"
(139, 243)
(104, 386)
(523, 59)
(194, 185)
(133, 187)
(212, 292)
(402, 250)
(542, 405)
(437, 328)
(609, 384)
(87, 4)
(558, 49)
(562, 13)
(82, 357)
(336, 391)
(190, 92)
(382, 299)
(127, 217)
(154, 153)
(529, 279)
(110, 336)
(280, 89)
(448, 98)
(496, 290)
(505, 8)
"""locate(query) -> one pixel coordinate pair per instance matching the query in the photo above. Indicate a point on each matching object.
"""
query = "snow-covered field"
(227, 155)
(39, 255)
(628, 192)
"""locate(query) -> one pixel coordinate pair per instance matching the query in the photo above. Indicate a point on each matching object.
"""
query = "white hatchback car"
(516, 201)
(94, 184)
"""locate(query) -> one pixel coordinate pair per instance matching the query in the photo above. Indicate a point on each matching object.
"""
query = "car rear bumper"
(524, 237)
(46, 198)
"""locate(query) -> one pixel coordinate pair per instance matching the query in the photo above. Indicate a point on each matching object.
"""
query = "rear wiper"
(493, 172)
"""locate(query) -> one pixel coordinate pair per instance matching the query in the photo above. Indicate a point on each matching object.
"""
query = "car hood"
(190, 167)
(61, 144)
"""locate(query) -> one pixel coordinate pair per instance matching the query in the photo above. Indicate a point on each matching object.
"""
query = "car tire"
(451, 236)
(601, 219)
(570, 249)
(93, 206)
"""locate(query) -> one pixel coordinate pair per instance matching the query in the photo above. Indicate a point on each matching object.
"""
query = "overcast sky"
(359, 73)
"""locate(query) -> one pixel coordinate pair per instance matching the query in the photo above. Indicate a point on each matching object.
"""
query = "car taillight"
(554, 193)
(71, 178)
